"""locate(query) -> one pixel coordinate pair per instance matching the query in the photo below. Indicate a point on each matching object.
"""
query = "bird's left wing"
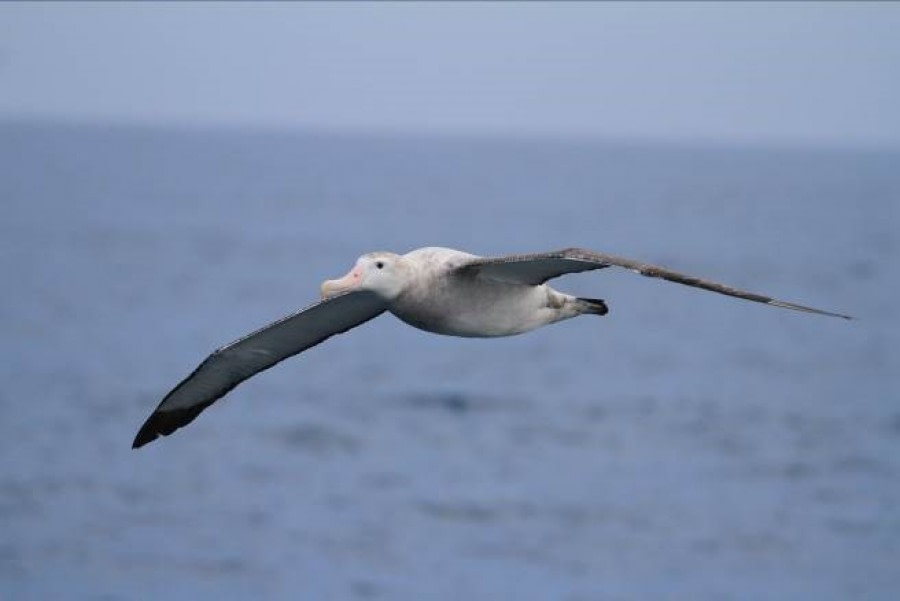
(537, 268)
(233, 363)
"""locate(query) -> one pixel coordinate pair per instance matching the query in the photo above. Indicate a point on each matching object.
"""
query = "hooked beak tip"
(331, 288)
(327, 288)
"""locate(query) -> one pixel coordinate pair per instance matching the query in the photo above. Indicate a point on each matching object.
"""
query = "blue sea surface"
(686, 446)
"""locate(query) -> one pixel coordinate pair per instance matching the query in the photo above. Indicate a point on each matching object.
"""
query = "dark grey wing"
(532, 269)
(537, 268)
(233, 363)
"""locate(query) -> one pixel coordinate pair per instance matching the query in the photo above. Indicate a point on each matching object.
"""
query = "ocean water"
(686, 446)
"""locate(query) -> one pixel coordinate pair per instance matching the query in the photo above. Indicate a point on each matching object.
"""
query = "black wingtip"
(143, 437)
(785, 305)
(162, 423)
(152, 429)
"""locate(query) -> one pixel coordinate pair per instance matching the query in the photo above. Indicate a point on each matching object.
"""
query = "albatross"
(438, 290)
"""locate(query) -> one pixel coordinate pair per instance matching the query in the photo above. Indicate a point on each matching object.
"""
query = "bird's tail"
(593, 306)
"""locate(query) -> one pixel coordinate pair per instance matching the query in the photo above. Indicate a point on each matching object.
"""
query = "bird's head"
(383, 273)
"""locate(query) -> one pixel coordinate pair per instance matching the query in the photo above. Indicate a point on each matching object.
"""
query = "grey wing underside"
(235, 362)
(537, 268)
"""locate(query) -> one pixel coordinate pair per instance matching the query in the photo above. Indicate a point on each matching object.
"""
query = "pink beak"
(344, 284)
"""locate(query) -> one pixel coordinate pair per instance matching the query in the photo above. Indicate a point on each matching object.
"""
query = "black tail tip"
(595, 306)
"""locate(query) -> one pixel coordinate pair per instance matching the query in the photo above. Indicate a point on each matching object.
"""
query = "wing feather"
(534, 269)
(230, 365)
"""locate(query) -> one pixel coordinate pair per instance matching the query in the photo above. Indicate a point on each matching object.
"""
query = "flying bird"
(438, 290)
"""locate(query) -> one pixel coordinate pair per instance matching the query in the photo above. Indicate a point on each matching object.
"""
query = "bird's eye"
(379, 265)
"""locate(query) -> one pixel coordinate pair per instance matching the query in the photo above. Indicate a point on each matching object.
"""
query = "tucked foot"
(593, 306)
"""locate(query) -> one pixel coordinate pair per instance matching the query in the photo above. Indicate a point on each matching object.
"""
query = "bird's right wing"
(233, 363)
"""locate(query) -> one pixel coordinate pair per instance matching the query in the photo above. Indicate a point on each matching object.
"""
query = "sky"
(798, 72)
